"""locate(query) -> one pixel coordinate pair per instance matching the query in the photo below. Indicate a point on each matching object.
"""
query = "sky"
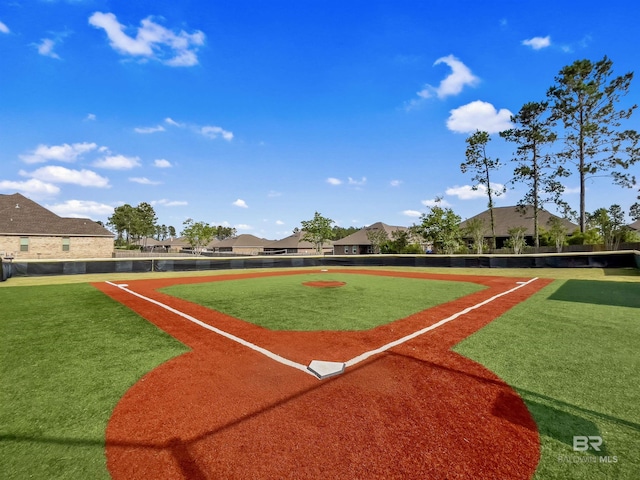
(256, 114)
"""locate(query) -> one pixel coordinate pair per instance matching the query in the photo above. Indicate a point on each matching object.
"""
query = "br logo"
(582, 443)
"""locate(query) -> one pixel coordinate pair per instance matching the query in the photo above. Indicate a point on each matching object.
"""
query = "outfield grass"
(571, 352)
(284, 303)
(68, 353)
(604, 274)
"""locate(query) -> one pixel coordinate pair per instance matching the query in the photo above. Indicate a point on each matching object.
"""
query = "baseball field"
(322, 373)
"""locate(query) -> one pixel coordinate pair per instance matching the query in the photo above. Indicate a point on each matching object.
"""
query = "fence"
(570, 248)
(619, 259)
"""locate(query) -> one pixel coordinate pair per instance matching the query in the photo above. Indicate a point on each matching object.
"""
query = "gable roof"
(244, 240)
(294, 241)
(22, 216)
(635, 225)
(360, 237)
(506, 218)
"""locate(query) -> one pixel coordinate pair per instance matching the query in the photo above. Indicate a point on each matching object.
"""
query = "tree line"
(132, 224)
(581, 113)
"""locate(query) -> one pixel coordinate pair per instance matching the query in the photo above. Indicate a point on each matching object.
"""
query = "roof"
(506, 218)
(361, 237)
(22, 216)
(294, 241)
(635, 225)
(244, 240)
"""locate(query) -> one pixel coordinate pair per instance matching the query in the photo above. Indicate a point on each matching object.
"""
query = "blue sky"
(256, 114)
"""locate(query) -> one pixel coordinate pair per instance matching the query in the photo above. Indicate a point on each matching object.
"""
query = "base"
(323, 369)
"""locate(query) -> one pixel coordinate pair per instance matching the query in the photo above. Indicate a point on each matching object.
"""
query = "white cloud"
(538, 43)
(90, 117)
(433, 203)
(479, 115)
(117, 162)
(60, 153)
(185, 58)
(4, 28)
(33, 187)
(240, 203)
(57, 174)
(395, 183)
(279, 222)
(162, 163)
(334, 181)
(158, 128)
(357, 182)
(46, 47)
(143, 181)
(215, 132)
(467, 192)
(243, 226)
(453, 84)
(412, 213)
(171, 121)
(81, 209)
(169, 203)
(151, 41)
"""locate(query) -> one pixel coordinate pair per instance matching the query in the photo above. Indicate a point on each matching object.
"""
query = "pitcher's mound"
(324, 284)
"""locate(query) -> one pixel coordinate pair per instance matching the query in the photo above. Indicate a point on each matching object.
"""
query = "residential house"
(359, 243)
(30, 231)
(294, 245)
(245, 244)
(506, 218)
(168, 245)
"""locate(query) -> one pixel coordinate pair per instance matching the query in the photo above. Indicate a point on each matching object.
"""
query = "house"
(168, 245)
(360, 243)
(30, 231)
(635, 226)
(294, 245)
(245, 244)
(506, 218)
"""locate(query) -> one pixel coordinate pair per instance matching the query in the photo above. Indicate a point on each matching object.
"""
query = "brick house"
(358, 243)
(294, 245)
(30, 231)
(245, 244)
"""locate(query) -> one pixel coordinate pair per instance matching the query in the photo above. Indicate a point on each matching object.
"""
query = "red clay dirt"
(418, 410)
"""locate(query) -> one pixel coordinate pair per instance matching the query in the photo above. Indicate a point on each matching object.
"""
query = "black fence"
(25, 268)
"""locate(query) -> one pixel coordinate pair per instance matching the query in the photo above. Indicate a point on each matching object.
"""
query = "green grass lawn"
(284, 303)
(68, 353)
(571, 352)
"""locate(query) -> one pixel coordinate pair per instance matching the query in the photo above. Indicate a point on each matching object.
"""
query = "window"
(354, 250)
(24, 244)
(65, 244)
(346, 249)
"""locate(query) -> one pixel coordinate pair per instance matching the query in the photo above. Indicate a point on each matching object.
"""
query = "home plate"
(323, 369)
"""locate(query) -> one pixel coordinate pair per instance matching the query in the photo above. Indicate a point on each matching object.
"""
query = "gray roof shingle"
(22, 216)
(506, 218)
(243, 240)
(360, 237)
(294, 241)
